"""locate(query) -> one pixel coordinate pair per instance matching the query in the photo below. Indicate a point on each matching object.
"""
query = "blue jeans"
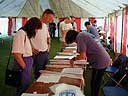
(97, 75)
(26, 75)
(40, 62)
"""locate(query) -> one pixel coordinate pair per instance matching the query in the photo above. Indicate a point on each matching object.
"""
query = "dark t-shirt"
(96, 53)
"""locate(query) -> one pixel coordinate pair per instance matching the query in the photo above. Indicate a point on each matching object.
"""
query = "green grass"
(4, 53)
(55, 47)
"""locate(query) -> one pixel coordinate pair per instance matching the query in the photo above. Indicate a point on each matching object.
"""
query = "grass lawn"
(4, 53)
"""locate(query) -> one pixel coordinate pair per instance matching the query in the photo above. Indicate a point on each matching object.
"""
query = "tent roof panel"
(62, 8)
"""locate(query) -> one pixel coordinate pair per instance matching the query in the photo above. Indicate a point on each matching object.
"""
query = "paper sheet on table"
(73, 70)
(30, 94)
(75, 47)
(47, 78)
(65, 53)
(76, 76)
(72, 44)
(57, 61)
(83, 62)
(45, 72)
(63, 57)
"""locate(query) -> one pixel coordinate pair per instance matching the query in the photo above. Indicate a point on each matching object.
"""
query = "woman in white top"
(22, 51)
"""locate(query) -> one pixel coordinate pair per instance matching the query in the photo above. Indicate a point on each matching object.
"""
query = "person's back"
(96, 53)
(97, 56)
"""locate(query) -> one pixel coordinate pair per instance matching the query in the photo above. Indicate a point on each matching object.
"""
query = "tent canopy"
(62, 8)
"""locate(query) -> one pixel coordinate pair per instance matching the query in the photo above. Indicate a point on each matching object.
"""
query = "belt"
(43, 51)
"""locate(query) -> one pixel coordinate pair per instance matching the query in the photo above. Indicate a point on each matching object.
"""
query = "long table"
(43, 88)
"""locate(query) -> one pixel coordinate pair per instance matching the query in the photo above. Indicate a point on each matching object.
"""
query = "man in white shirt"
(65, 26)
(41, 43)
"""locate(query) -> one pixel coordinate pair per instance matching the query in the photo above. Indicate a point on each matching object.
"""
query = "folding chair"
(116, 72)
(119, 77)
(115, 90)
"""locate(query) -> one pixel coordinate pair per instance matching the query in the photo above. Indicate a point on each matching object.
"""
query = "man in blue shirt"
(91, 29)
(96, 54)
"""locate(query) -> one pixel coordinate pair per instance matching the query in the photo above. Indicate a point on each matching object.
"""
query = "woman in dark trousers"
(97, 56)
(22, 51)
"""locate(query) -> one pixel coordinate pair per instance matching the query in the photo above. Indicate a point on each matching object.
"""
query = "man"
(74, 25)
(92, 29)
(95, 53)
(94, 23)
(41, 43)
(65, 26)
(52, 27)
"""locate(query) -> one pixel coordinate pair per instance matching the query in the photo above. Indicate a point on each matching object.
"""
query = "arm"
(49, 43)
(19, 59)
(62, 32)
(82, 56)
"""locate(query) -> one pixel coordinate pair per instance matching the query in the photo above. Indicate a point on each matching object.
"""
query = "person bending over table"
(96, 54)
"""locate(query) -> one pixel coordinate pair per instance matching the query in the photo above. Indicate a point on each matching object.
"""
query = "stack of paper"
(72, 44)
(73, 70)
(71, 48)
(65, 53)
(48, 72)
(84, 62)
(76, 76)
(58, 61)
(47, 78)
(63, 57)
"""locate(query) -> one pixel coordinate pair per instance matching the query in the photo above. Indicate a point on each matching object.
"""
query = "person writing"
(97, 56)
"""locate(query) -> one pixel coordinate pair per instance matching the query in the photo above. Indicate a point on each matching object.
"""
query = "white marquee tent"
(62, 8)
(115, 12)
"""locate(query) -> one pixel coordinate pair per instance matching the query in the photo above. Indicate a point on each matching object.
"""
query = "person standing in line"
(22, 51)
(58, 27)
(52, 27)
(65, 26)
(74, 25)
(41, 43)
(91, 29)
(94, 23)
(95, 53)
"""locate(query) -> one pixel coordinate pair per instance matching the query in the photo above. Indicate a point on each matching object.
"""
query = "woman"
(22, 51)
